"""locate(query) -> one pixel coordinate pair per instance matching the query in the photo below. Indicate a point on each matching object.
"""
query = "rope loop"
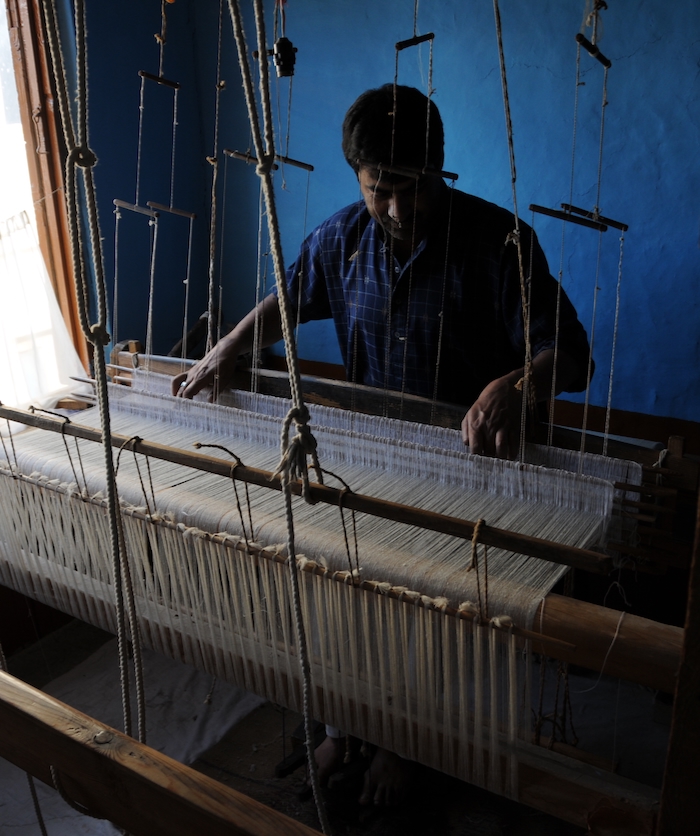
(513, 237)
(58, 786)
(83, 157)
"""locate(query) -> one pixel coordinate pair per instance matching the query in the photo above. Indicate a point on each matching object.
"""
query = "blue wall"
(650, 173)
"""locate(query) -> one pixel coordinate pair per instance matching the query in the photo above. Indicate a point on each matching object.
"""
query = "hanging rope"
(81, 157)
(295, 451)
(514, 237)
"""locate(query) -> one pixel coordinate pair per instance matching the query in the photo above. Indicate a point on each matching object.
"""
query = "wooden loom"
(581, 650)
(577, 632)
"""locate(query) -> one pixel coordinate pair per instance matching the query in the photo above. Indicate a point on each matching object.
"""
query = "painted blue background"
(650, 172)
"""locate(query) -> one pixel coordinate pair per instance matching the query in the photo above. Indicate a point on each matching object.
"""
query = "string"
(294, 451)
(608, 410)
(553, 392)
(115, 293)
(187, 283)
(514, 237)
(81, 156)
(213, 161)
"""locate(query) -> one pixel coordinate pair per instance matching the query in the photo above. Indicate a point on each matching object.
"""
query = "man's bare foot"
(329, 757)
(387, 780)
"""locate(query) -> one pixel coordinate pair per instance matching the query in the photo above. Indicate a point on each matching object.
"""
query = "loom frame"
(574, 795)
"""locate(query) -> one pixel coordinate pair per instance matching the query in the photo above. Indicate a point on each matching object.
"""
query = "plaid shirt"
(448, 321)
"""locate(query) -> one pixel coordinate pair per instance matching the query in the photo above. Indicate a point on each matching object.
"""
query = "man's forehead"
(373, 176)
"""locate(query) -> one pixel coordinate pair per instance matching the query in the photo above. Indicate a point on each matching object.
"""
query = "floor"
(441, 806)
(246, 759)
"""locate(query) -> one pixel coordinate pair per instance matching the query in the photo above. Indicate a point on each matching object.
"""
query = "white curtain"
(37, 357)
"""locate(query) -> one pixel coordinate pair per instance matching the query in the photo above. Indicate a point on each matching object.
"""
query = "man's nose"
(400, 207)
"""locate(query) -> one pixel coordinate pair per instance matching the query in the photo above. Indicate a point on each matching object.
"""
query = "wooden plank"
(680, 799)
(122, 780)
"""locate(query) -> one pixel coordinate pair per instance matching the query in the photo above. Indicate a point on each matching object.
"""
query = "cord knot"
(100, 334)
(83, 157)
(265, 165)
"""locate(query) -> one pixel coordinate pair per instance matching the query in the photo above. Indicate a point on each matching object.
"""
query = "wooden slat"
(118, 778)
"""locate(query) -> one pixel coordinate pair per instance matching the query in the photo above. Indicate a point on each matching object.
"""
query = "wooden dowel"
(175, 85)
(418, 39)
(567, 216)
(644, 651)
(567, 207)
(430, 520)
(173, 211)
(132, 207)
(250, 159)
(593, 50)
(118, 778)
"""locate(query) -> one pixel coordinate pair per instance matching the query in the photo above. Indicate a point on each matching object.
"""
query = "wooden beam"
(680, 798)
(122, 780)
(641, 650)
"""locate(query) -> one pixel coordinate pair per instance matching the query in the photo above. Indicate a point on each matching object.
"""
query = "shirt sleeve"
(306, 282)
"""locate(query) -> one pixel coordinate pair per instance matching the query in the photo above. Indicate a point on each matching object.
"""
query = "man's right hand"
(215, 370)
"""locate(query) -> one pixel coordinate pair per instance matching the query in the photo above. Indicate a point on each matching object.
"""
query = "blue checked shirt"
(448, 321)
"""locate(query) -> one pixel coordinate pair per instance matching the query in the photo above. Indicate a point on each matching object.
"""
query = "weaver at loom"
(425, 293)
(209, 591)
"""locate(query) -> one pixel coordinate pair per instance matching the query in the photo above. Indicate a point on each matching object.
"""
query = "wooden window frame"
(45, 155)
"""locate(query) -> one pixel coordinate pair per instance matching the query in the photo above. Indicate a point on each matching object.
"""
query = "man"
(423, 284)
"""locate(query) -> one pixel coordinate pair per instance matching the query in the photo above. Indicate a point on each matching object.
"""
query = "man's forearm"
(542, 371)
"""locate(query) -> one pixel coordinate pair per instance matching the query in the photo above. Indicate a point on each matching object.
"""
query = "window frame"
(45, 155)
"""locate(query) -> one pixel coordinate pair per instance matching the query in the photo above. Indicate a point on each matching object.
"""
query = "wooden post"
(680, 797)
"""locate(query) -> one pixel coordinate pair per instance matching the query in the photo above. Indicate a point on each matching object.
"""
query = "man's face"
(403, 207)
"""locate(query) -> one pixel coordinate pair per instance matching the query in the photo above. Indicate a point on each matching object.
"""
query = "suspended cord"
(214, 162)
(293, 463)
(81, 156)
(608, 410)
(514, 237)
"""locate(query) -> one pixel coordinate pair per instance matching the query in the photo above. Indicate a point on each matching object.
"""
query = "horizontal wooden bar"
(567, 207)
(498, 538)
(250, 159)
(120, 779)
(417, 39)
(407, 171)
(593, 50)
(159, 79)
(645, 651)
(132, 207)
(173, 211)
(568, 216)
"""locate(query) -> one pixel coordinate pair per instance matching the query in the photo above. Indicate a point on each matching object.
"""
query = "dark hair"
(389, 125)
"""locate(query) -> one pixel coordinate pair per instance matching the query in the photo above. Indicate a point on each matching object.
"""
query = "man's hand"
(216, 367)
(491, 427)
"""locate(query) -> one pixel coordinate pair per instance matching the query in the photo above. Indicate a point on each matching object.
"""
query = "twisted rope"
(293, 451)
(81, 157)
